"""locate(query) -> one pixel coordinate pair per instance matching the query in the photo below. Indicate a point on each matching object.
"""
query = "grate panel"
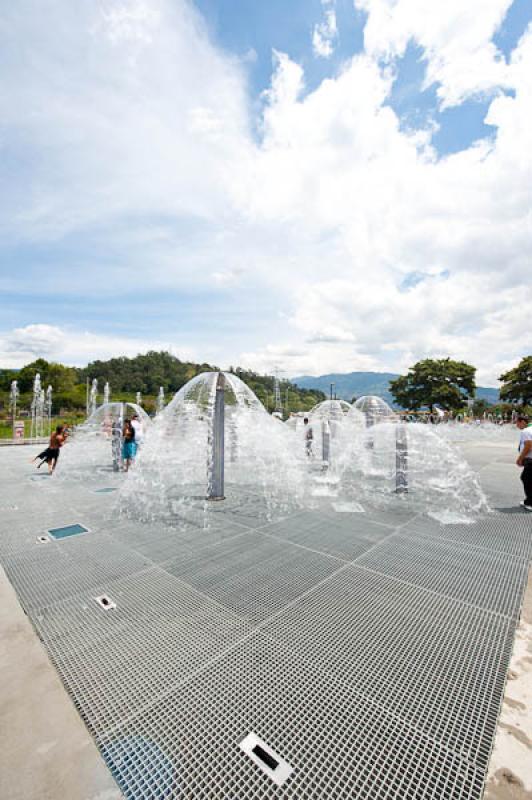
(492, 581)
(50, 574)
(160, 632)
(340, 745)
(345, 538)
(503, 533)
(252, 575)
(439, 664)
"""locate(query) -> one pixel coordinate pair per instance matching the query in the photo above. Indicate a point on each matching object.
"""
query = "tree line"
(144, 373)
(431, 382)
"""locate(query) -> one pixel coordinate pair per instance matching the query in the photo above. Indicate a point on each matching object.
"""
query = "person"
(51, 454)
(309, 436)
(129, 446)
(525, 458)
(137, 426)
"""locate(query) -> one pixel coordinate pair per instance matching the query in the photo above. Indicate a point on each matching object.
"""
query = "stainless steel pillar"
(116, 440)
(216, 473)
(325, 441)
(401, 459)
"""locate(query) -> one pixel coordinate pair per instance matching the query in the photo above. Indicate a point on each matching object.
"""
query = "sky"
(310, 186)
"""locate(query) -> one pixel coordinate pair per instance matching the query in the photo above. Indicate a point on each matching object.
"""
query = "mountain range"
(355, 384)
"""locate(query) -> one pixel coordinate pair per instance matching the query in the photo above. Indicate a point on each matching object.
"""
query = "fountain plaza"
(339, 625)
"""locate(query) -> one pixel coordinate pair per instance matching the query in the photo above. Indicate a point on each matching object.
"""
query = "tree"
(517, 383)
(61, 378)
(435, 382)
(480, 407)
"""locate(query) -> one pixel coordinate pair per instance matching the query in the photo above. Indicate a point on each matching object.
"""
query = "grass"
(6, 426)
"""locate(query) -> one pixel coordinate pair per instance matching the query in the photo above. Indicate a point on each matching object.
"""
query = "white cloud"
(325, 32)
(73, 347)
(455, 37)
(131, 126)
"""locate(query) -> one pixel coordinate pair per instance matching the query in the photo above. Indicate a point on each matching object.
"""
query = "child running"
(51, 454)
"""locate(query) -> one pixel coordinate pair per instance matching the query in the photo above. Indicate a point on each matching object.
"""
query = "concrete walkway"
(46, 753)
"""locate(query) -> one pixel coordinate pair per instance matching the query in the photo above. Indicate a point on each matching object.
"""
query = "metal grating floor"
(368, 650)
(340, 744)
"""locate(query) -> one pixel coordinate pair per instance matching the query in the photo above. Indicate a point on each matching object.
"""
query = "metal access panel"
(67, 530)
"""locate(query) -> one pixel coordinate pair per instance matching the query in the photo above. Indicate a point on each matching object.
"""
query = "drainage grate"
(376, 680)
(503, 533)
(343, 536)
(252, 575)
(342, 745)
(67, 530)
(45, 575)
(159, 635)
(435, 662)
(105, 490)
(493, 581)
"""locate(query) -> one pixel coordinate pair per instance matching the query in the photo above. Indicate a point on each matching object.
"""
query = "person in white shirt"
(525, 458)
(137, 427)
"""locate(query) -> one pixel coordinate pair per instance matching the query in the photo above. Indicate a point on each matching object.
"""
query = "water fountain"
(48, 407)
(106, 393)
(96, 445)
(395, 461)
(93, 399)
(37, 408)
(13, 400)
(374, 408)
(160, 400)
(178, 465)
(334, 421)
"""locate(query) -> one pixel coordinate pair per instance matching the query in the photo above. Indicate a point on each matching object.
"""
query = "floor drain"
(263, 756)
(105, 602)
(105, 490)
(67, 530)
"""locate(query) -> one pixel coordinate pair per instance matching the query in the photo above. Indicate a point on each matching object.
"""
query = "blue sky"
(309, 183)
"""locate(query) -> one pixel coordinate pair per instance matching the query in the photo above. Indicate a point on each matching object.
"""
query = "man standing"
(525, 458)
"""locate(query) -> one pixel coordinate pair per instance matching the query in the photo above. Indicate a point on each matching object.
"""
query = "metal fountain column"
(215, 489)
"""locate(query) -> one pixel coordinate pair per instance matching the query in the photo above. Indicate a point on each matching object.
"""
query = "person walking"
(525, 458)
(129, 446)
(309, 436)
(51, 454)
